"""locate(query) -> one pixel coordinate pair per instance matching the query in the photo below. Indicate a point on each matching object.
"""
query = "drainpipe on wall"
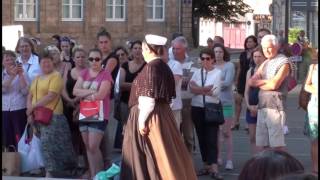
(179, 16)
(38, 16)
(286, 22)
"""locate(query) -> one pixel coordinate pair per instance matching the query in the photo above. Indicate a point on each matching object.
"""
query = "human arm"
(309, 87)
(104, 90)
(23, 82)
(146, 106)
(275, 82)
(124, 86)
(79, 92)
(238, 69)
(252, 108)
(7, 82)
(111, 64)
(256, 79)
(228, 79)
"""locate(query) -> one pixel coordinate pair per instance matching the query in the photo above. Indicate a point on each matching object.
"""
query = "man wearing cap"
(152, 145)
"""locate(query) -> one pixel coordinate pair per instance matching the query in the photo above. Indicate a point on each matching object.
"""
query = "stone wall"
(94, 12)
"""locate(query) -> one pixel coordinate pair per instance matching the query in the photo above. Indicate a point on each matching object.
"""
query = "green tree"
(220, 10)
(293, 34)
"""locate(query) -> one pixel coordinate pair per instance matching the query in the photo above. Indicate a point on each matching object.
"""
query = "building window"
(116, 10)
(72, 10)
(25, 10)
(155, 10)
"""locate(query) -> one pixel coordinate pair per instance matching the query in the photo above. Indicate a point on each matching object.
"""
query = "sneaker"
(229, 165)
(285, 130)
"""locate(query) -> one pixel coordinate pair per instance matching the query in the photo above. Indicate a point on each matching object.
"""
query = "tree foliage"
(293, 34)
(220, 10)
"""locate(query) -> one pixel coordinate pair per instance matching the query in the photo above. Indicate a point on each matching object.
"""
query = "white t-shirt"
(212, 77)
(176, 69)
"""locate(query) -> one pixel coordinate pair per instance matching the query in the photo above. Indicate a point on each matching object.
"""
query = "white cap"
(155, 39)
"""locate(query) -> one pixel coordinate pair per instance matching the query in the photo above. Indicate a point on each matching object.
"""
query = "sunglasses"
(91, 59)
(205, 58)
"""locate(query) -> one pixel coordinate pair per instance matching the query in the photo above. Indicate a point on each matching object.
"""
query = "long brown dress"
(161, 154)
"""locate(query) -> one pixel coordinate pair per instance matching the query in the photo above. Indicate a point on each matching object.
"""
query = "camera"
(18, 63)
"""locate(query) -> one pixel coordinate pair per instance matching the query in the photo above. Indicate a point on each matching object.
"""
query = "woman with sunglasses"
(208, 85)
(94, 84)
(152, 145)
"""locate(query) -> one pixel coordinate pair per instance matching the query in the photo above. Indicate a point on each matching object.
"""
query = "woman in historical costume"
(152, 147)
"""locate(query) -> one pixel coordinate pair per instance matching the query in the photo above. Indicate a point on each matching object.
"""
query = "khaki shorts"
(270, 123)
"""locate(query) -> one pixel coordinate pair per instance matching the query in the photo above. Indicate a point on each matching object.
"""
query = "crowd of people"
(159, 96)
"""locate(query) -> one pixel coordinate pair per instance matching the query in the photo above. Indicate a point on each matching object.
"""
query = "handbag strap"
(202, 84)
(54, 107)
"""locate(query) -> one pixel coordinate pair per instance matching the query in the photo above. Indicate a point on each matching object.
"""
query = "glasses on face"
(96, 59)
(205, 58)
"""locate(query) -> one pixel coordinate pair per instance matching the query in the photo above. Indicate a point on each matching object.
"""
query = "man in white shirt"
(179, 49)
(176, 104)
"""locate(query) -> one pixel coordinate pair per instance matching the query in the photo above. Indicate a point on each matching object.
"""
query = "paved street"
(297, 144)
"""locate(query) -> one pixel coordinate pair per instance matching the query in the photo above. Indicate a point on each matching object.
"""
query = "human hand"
(29, 111)
(20, 70)
(143, 129)
(30, 119)
(12, 70)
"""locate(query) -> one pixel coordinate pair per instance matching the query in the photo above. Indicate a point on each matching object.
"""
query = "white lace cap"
(155, 39)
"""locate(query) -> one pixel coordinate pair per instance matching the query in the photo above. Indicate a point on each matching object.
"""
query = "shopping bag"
(30, 151)
(91, 111)
(10, 163)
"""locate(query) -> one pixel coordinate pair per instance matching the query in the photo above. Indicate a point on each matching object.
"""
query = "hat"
(155, 39)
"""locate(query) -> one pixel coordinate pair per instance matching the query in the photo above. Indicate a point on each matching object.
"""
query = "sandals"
(203, 172)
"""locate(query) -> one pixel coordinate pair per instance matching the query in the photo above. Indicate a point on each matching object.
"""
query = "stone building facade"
(303, 14)
(49, 17)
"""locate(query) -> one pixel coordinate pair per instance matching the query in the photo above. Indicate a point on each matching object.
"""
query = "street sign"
(295, 58)
(296, 49)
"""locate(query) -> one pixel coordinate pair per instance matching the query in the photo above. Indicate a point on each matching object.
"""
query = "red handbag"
(91, 111)
(43, 114)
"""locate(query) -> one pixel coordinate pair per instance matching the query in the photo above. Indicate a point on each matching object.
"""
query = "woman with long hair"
(251, 98)
(244, 63)
(222, 62)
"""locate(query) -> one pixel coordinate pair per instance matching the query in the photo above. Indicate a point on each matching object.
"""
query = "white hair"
(182, 40)
(270, 37)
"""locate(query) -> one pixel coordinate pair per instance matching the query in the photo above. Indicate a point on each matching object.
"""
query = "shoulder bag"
(212, 111)
(91, 111)
(304, 96)
(43, 114)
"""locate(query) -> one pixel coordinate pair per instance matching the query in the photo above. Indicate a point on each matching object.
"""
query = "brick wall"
(94, 12)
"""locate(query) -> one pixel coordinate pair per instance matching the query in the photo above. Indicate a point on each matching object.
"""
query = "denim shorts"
(98, 127)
